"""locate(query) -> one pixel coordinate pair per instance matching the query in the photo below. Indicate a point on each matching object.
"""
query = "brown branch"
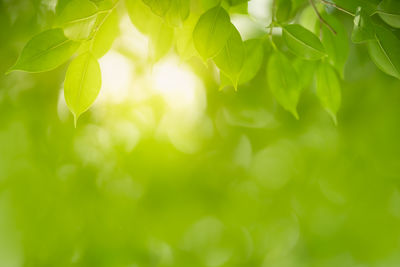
(328, 3)
(323, 21)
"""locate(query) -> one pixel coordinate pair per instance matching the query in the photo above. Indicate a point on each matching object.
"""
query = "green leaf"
(184, 40)
(178, 12)
(283, 82)
(336, 45)
(363, 28)
(105, 33)
(253, 61)
(212, 32)
(303, 42)
(328, 89)
(389, 11)
(78, 19)
(384, 51)
(231, 58)
(306, 70)
(159, 7)
(160, 34)
(45, 52)
(82, 84)
(283, 10)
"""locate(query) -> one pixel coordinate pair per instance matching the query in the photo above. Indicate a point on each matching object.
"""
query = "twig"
(323, 21)
(328, 3)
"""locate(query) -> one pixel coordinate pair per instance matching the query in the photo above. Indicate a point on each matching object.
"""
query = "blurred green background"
(167, 173)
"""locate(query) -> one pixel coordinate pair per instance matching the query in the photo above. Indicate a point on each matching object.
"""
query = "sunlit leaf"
(253, 61)
(363, 28)
(231, 58)
(82, 84)
(160, 41)
(283, 82)
(178, 12)
(159, 7)
(78, 19)
(212, 32)
(106, 30)
(384, 51)
(303, 42)
(328, 89)
(336, 45)
(389, 11)
(45, 51)
(305, 70)
(184, 40)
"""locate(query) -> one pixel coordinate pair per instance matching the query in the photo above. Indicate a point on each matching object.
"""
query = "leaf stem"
(321, 19)
(328, 3)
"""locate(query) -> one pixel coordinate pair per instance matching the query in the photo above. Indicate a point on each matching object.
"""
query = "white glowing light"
(176, 83)
(116, 73)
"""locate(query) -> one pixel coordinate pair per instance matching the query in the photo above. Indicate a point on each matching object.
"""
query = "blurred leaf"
(212, 32)
(384, 51)
(82, 84)
(283, 82)
(159, 7)
(178, 12)
(389, 11)
(45, 51)
(363, 28)
(78, 19)
(184, 40)
(305, 70)
(336, 45)
(231, 58)
(283, 10)
(161, 41)
(303, 42)
(328, 89)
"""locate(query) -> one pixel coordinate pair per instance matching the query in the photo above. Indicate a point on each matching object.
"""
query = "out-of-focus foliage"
(165, 169)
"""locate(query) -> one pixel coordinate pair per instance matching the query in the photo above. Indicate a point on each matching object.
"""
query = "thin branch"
(328, 3)
(323, 21)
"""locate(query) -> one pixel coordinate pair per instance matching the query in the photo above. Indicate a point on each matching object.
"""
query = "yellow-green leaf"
(212, 32)
(78, 19)
(302, 42)
(82, 84)
(45, 51)
(231, 58)
(328, 89)
(105, 32)
(283, 82)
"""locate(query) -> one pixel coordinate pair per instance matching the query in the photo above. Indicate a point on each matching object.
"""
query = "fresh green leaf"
(160, 34)
(283, 10)
(283, 82)
(305, 70)
(384, 51)
(105, 32)
(78, 19)
(328, 89)
(336, 45)
(212, 32)
(159, 7)
(178, 12)
(389, 11)
(363, 28)
(82, 84)
(45, 51)
(253, 61)
(231, 58)
(184, 40)
(303, 42)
